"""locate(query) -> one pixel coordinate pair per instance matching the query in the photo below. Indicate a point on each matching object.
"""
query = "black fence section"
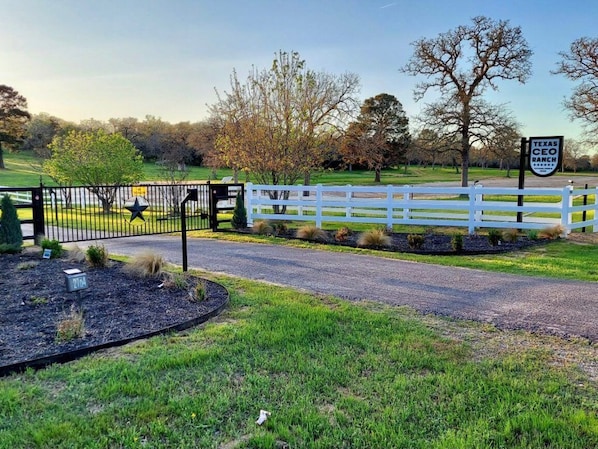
(100, 212)
(30, 200)
(222, 201)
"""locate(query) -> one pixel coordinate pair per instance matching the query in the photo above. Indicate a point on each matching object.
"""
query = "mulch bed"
(117, 308)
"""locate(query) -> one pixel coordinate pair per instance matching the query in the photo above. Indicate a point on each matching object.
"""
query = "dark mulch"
(116, 307)
(434, 244)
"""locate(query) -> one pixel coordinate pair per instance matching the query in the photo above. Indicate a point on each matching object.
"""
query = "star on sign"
(136, 210)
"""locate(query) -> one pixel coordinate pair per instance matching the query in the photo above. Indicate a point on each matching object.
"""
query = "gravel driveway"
(564, 308)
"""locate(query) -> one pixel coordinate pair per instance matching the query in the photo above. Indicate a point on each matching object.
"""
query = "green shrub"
(415, 241)
(176, 281)
(10, 225)
(457, 242)
(239, 220)
(54, 245)
(312, 233)
(374, 238)
(494, 236)
(6, 248)
(532, 234)
(200, 290)
(97, 255)
(146, 264)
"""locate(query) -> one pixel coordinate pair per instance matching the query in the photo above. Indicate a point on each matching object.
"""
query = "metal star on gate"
(136, 210)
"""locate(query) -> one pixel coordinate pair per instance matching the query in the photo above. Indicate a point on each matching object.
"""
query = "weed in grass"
(494, 236)
(374, 238)
(262, 227)
(97, 256)
(146, 264)
(415, 241)
(54, 245)
(312, 233)
(71, 327)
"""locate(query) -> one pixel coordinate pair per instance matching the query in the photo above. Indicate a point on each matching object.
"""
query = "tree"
(505, 144)
(39, 133)
(380, 135)
(13, 117)
(239, 220)
(581, 64)
(98, 160)
(277, 124)
(11, 236)
(573, 154)
(495, 51)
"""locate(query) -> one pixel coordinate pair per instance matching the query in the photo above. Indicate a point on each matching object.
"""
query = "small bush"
(146, 264)
(343, 234)
(70, 327)
(239, 220)
(532, 234)
(494, 236)
(262, 227)
(552, 232)
(7, 248)
(97, 256)
(415, 241)
(312, 233)
(10, 225)
(510, 235)
(279, 227)
(374, 238)
(457, 242)
(200, 291)
(175, 281)
(54, 245)
(27, 265)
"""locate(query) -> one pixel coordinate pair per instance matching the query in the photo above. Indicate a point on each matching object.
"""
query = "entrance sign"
(545, 155)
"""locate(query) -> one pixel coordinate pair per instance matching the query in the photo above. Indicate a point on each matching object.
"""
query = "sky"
(83, 59)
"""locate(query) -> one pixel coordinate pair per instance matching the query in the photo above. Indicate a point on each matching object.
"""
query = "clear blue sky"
(81, 59)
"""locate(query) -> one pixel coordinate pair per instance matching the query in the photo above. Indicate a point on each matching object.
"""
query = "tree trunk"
(377, 176)
(1, 157)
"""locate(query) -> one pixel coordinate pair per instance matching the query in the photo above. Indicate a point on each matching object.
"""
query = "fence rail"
(471, 207)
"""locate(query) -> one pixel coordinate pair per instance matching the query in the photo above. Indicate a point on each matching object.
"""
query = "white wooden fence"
(469, 207)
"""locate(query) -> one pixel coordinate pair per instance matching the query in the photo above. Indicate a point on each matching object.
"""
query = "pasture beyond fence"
(471, 207)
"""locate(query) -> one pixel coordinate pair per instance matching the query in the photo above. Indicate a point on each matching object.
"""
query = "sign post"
(544, 158)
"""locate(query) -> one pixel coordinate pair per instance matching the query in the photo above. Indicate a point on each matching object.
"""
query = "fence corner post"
(249, 203)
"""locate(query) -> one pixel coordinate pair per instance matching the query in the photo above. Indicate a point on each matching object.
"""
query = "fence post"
(407, 196)
(566, 204)
(479, 204)
(249, 203)
(389, 206)
(348, 198)
(319, 205)
(471, 222)
(595, 226)
(37, 205)
(300, 195)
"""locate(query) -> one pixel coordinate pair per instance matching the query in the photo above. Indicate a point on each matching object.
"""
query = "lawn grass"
(333, 374)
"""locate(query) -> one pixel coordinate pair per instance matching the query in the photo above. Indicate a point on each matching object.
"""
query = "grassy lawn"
(332, 374)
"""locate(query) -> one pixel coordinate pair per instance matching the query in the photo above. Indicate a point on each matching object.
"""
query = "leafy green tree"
(13, 117)
(100, 161)
(380, 135)
(11, 236)
(239, 220)
(462, 63)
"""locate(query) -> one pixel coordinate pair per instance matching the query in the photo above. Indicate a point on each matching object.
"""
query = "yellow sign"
(139, 191)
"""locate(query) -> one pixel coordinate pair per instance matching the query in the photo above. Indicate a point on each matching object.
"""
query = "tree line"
(279, 124)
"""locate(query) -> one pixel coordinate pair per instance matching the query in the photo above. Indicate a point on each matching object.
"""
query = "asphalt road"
(564, 308)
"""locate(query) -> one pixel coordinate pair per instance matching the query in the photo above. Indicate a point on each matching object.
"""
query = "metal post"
(191, 196)
(522, 164)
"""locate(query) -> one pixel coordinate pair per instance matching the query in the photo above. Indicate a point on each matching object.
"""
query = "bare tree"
(464, 62)
(581, 64)
(275, 126)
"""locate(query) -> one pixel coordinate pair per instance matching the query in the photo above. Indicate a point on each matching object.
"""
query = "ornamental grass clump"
(71, 327)
(510, 235)
(312, 233)
(343, 234)
(494, 236)
(457, 242)
(374, 238)
(145, 265)
(552, 232)
(54, 246)
(97, 256)
(415, 241)
(261, 227)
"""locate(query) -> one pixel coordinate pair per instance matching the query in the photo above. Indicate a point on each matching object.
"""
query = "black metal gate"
(80, 213)
(28, 198)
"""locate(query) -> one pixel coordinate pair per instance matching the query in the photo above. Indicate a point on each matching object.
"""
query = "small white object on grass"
(263, 417)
